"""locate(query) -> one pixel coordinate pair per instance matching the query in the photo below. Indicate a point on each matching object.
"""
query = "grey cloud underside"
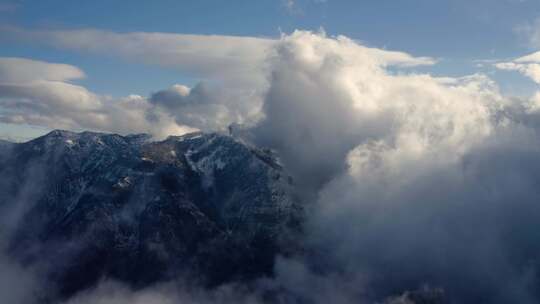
(203, 107)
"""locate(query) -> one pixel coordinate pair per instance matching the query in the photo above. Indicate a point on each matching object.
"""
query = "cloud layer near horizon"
(411, 179)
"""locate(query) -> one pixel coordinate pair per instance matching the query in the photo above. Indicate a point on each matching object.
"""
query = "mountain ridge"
(206, 206)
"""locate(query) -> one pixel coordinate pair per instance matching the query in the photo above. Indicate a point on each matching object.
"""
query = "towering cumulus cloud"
(411, 182)
(325, 97)
(419, 180)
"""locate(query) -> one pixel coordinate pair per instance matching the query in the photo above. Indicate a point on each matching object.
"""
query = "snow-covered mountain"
(83, 206)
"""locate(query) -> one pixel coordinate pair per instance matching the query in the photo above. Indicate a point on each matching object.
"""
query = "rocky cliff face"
(83, 206)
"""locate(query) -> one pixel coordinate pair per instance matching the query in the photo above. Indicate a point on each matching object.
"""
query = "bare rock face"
(83, 206)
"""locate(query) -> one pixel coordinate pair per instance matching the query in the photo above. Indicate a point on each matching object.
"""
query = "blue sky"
(457, 33)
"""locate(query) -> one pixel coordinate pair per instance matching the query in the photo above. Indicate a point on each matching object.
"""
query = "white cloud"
(328, 95)
(22, 69)
(530, 70)
(531, 58)
(109, 292)
(51, 93)
(36, 93)
(228, 58)
(412, 179)
(528, 65)
(225, 57)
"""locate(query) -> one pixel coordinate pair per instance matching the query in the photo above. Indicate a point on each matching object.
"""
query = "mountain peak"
(59, 133)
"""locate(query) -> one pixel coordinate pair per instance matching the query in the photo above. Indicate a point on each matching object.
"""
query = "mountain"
(5, 145)
(83, 206)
